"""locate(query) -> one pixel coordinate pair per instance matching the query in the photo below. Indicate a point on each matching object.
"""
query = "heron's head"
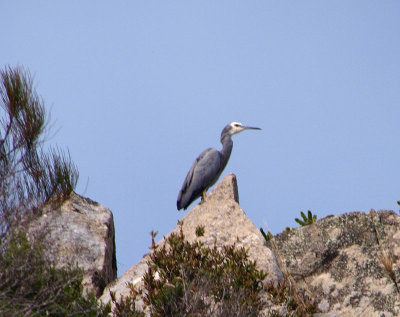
(235, 127)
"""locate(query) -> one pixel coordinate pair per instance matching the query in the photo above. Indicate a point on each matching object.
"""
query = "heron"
(208, 167)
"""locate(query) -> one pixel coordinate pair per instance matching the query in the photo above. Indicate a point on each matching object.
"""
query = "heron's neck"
(226, 149)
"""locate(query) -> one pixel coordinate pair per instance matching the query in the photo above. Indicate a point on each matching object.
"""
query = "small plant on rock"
(307, 220)
(267, 236)
(290, 300)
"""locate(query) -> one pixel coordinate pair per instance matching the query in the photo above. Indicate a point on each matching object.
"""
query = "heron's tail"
(183, 201)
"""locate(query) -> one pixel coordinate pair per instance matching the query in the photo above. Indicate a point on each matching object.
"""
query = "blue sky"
(137, 89)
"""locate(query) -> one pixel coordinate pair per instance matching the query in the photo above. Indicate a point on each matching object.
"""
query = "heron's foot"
(204, 196)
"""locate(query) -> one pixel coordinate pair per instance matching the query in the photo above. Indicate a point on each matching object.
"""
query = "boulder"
(348, 264)
(79, 232)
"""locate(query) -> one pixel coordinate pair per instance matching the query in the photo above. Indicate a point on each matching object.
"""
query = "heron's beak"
(250, 128)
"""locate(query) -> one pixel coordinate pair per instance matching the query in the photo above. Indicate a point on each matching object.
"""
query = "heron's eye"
(236, 125)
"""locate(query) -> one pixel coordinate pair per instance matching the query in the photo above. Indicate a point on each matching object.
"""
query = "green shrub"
(31, 286)
(191, 279)
(29, 175)
(30, 178)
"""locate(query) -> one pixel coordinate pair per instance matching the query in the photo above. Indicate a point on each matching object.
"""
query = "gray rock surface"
(340, 263)
(80, 232)
(348, 265)
(225, 223)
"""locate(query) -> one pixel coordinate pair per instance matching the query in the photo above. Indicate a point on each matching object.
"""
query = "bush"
(191, 279)
(31, 178)
(29, 175)
(31, 286)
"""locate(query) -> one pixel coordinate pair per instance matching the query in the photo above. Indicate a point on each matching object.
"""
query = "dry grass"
(386, 259)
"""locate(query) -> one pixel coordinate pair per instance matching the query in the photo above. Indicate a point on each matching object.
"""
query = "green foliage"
(29, 175)
(31, 286)
(126, 306)
(268, 236)
(307, 220)
(287, 295)
(30, 178)
(200, 231)
(191, 279)
(190, 276)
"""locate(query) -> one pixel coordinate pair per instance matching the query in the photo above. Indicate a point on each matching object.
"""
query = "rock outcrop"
(80, 232)
(348, 264)
(225, 223)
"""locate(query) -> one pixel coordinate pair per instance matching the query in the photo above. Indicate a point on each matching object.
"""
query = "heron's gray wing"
(207, 170)
(203, 174)
(206, 159)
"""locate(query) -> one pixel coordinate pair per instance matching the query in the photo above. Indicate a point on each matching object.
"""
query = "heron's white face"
(236, 127)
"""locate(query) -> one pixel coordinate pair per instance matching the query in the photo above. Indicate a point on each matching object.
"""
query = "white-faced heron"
(208, 167)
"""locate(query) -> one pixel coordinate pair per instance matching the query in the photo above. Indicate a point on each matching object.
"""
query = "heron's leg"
(204, 196)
